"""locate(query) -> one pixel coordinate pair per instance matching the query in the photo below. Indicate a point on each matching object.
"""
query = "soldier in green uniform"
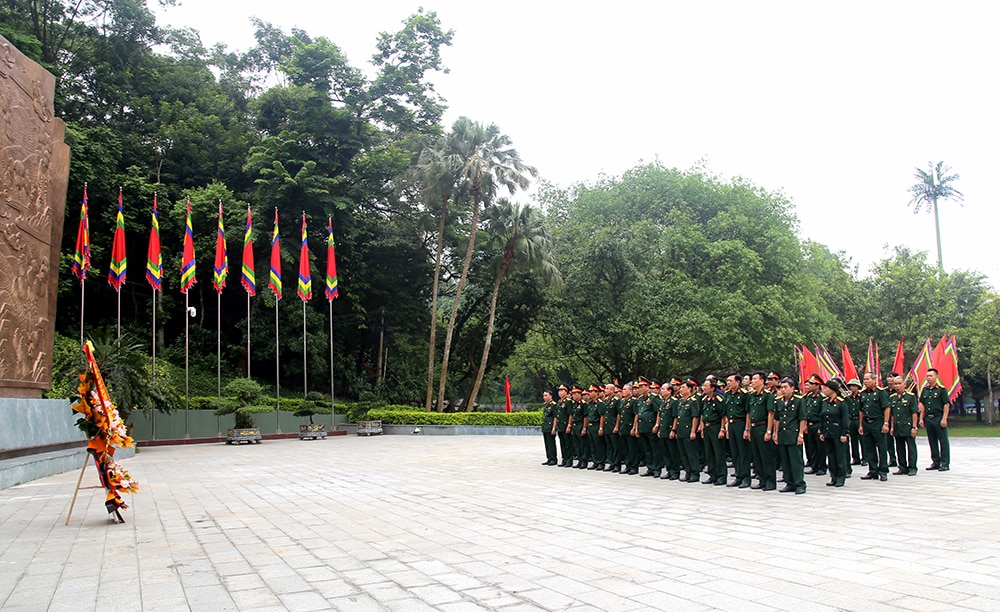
(835, 422)
(713, 411)
(597, 450)
(853, 400)
(664, 421)
(771, 382)
(630, 444)
(874, 416)
(578, 420)
(549, 427)
(904, 414)
(562, 426)
(791, 427)
(645, 421)
(934, 408)
(760, 408)
(609, 417)
(736, 424)
(812, 402)
(685, 429)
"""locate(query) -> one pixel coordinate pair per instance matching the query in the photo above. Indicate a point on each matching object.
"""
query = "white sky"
(834, 105)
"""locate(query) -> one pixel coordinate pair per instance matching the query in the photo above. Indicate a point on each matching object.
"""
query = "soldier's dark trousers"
(565, 446)
(630, 451)
(689, 454)
(815, 455)
(598, 454)
(550, 444)
(653, 451)
(582, 444)
(890, 448)
(906, 452)
(763, 456)
(855, 441)
(873, 446)
(740, 450)
(836, 455)
(715, 453)
(792, 465)
(673, 453)
(612, 444)
(937, 438)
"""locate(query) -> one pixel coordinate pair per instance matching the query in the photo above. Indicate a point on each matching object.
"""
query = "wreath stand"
(116, 515)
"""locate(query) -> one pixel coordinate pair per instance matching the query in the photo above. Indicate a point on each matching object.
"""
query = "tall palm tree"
(484, 161)
(438, 183)
(522, 235)
(933, 185)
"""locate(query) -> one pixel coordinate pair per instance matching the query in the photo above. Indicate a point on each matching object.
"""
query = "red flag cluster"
(943, 357)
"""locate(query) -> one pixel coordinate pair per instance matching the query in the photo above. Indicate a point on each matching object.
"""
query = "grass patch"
(966, 427)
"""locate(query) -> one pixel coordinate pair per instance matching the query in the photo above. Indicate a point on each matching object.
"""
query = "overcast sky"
(832, 105)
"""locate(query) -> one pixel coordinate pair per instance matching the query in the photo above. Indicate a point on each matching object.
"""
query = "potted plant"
(242, 396)
(313, 404)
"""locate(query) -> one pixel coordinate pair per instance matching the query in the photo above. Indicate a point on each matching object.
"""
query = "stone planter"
(312, 431)
(250, 435)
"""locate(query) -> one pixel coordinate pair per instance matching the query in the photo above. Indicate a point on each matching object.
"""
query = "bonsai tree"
(241, 395)
(313, 404)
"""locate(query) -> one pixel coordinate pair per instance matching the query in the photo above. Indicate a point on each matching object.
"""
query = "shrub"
(420, 417)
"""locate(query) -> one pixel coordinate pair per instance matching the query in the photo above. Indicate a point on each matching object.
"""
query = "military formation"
(757, 426)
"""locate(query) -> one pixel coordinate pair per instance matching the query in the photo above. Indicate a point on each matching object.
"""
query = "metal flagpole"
(248, 334)
(218, 353)
(81, 310)
(277, 371)
(153, 425)
(119, 292)
(333, 409)
(305, 371)
(187, 317)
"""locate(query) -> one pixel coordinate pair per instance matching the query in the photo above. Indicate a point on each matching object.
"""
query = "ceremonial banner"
(332, 291)
(221, 270)
(187, 263)
(850, 372)
(81, 256)
(247, 277)
(274, 283)
(154, 259)
(116, 273)
(305, 275)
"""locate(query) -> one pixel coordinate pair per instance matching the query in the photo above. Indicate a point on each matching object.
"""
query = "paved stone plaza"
(475, 522)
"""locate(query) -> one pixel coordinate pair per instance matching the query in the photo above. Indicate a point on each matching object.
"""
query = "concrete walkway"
(475, 522)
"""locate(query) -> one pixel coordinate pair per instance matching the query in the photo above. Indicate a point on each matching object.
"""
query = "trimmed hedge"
(420, 417)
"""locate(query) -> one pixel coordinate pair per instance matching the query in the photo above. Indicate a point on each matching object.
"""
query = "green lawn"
(966, 427)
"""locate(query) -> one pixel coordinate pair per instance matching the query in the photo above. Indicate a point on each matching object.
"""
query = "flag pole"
(333, 409)
(81, 309)
(153, 413)
(305, 371)
(248, 334)
(187, 317)
(277, 372)
(119, 292)
(218, 353)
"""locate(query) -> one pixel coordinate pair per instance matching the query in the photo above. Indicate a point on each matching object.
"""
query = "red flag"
(188, 263)
(221, 271)
(274, 283)
(332, 290)
(81, 257)
(305, 275)
(154, 260)
(809, 364)
(248, 277)
(506, 390)
(850, 372)
(949, 369)
(871, 364)
(898, 364)
(827, 366)
(878, 366)
(919, 369)
(116, 273)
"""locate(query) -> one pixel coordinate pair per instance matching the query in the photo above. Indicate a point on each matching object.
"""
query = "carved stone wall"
(34, 168)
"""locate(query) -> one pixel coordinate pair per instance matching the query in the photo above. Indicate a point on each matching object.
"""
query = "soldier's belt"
(758, 423)
(871, 419)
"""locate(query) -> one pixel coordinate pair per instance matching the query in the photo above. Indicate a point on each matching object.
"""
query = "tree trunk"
(937, 230)
(458, 298)
(434, 299)
(489, 339)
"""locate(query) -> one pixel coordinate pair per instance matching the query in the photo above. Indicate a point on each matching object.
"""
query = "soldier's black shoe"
(932, 466)
(800, 491)
(869, 476)
(883, 477)
(758, 485)
(744, 485)
(912, 472)
(646, 473)
(709, 481)
(821, 472)
(900, 471)
(786, 489)
(734, 483)
(943, 468)
(840, 483)
(593, 467)
(720, 483)
(770, 487)
(633, 472)
(832, 483)
(892, 464)
(615, 469)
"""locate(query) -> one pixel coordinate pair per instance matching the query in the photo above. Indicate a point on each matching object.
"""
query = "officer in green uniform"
(713, 411)
(578, 420)
(597, 450)
(760, 408)
(609, 417)
(791, 426)
(835, 421)
(664, 421)
(904, 414)
(549, 427)
(645, 421)
(771, 386)
(934, 408)
(562, 426)
(736, 424)
(853, 400)
(630, 444)
(874, 416)
(812, 402)
(685, 429)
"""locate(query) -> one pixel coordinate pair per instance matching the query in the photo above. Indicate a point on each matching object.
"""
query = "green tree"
(932, 185)
(482, 160)
(521, 235)
(984, 340)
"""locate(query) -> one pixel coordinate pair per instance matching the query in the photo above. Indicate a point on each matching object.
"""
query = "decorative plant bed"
(369, 428)
(312, 431)
(249, 435)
